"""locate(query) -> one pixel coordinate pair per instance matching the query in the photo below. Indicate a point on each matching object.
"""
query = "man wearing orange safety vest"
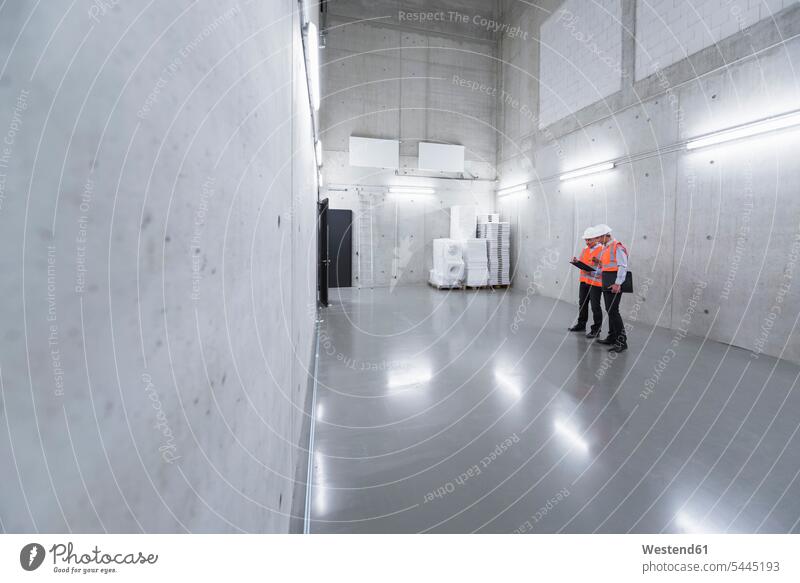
(590, 287)
(613, 258)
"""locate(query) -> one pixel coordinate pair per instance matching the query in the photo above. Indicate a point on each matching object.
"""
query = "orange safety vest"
(608, 258)
(586, 257)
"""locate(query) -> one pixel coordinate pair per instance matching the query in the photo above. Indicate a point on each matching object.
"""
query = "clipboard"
(609, 277)
(582, 266)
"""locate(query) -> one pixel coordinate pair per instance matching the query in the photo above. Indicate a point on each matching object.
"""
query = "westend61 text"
(674, 550)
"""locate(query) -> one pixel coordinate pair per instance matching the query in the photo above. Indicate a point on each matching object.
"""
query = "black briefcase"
(610, 277)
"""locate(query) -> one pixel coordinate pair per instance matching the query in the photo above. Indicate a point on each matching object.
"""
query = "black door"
(340, 248)
(322, 251)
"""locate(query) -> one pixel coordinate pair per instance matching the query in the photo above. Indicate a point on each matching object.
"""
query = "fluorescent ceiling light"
(313, 63)
(588, 170)
(747, 130)
(512, 189)
(411, 190)
(318, 150)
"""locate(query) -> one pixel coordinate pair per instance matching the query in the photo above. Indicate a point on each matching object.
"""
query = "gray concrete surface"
(403, 230)
(389, 75)
(385, 76)
(722, 220)
(158, 234)
(157, 221)
(477, 411)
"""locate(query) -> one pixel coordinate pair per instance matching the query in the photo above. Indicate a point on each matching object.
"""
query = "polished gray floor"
(436, 414)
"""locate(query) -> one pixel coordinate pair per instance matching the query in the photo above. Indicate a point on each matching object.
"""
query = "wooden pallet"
(434, 286)
(462, 286)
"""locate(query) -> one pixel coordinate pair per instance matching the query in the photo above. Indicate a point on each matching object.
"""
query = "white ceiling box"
(441, 157)
(374, 153)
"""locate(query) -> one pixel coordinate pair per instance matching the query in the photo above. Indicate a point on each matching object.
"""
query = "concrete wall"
(403, 228)
(414, 71)
(577, 42)
(387, 75)
(715, 227)
(669, 31)
(158, 230)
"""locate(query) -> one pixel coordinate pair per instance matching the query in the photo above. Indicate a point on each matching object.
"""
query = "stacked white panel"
(463, 220)
(498, 236)
(476, 262)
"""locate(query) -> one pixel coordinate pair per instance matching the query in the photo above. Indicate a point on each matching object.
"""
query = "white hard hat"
(601, 229)
(590, 233)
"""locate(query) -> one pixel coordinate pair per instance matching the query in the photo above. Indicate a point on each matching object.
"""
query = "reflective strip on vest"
(609, 257)
(586, 257)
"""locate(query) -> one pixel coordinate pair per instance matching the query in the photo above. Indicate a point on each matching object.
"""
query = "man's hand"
(615, 288)
(574, 259)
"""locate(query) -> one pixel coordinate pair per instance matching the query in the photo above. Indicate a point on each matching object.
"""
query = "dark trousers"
(616, 328)
(589, 294)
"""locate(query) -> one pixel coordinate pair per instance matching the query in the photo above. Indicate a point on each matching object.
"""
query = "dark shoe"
(607, 340)
(577, 328)
(618, 348)
(593, 334)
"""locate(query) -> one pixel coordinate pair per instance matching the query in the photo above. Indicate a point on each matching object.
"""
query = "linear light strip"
(411, 190)
(512, 189)
(755, 128)
(588, 170)
(313, 63)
